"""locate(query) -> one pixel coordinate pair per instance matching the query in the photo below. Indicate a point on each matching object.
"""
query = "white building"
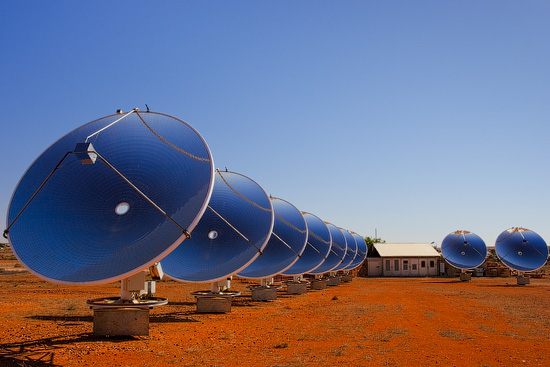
(404, 259)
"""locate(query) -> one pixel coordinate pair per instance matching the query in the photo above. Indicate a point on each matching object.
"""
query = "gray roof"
(406, 250)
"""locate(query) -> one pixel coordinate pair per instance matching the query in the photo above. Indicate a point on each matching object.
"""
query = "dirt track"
(369, 321)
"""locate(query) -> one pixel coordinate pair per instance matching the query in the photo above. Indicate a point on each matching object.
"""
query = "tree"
(370, 243)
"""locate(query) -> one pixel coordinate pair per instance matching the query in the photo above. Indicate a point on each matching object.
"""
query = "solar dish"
(337, 251)
(361, 252)
(317, 247)
(351, 250)
(285, 246)
(464, 250)
(232, 232)
(110, 198)
(521, 249)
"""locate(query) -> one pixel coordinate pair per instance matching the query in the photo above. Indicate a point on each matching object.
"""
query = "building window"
(423, 264)
(432, 263)
(396, 265)
(405, 264)
(387, 265)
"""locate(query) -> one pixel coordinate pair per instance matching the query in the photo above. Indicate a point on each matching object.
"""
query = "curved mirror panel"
(231, 233)
(317, 247)
(351, 251)
(521, 249)
(285, 246)
(337, 251)
(361, 252)
(118, 194)
(464, 250)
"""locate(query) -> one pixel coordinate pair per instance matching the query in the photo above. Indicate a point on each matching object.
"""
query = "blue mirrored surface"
(337, 251)
(521, 249)
(317, 247)
(464, 250)
(230, 235)
(88, 224)
(285, 246)
(351, 251)
(361, 252)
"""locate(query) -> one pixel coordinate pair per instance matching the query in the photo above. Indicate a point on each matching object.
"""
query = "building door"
(432, 267)
(387, 268)
(374, 267)
(407, 269)
(423, 270)
(414, 267)
(396, 267)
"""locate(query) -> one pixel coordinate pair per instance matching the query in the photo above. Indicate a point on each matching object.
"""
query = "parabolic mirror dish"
(232, 232)
(95, 223)
(464, 250)
(521, 249)
(285, 246)
(337, 251)
(351, 251)
(317, 247)
(361, 252)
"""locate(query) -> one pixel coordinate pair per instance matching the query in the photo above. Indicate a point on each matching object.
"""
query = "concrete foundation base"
(333, 281)
(296, 288)
(465, 277)
(318, 284)
(121, 321)
(346, 278)
(213, 304)
(264, 293)
(523, 280)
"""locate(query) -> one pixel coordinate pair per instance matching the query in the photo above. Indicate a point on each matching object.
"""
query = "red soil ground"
(367, 322)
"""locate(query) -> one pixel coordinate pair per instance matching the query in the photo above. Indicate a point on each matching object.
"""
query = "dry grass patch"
(389, 334)
(454, 335)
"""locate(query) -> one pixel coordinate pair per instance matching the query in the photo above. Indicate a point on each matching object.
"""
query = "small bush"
(281, 346)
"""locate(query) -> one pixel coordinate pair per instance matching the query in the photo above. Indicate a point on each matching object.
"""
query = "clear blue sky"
(415, 118)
